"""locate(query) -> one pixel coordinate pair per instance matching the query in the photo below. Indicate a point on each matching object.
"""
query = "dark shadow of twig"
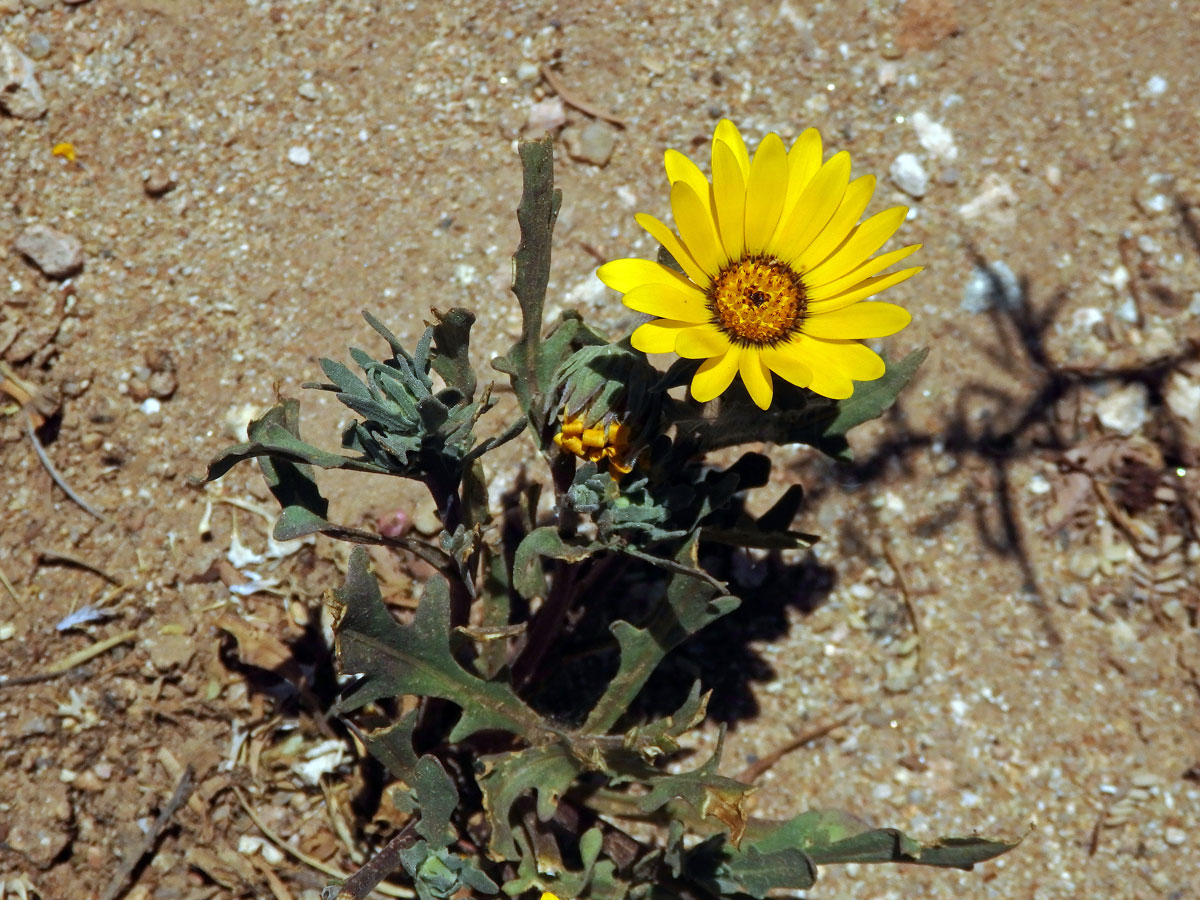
(1028, 427)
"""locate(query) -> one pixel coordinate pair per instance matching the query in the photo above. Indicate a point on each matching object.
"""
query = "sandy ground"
(1004, 603)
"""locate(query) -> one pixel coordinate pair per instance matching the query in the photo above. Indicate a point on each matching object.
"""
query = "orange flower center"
(757, 301)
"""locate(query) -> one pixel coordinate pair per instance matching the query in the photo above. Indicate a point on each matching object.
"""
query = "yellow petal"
(862, 242)
(818, 291)
(816, 206)
(695, 224)
(868, 288)
(756, 377)
(658, 336)
(857, 322)
(685, 304)
(804, 159)
(828, 377)
(680, 168)
(786, 365)
(766, 189)
(671, 244)
(701, 342)
(729, 195)
(715, 375)
(854, 202)
(858, 361)
(848, 358)
(625, 274)
(727, 133)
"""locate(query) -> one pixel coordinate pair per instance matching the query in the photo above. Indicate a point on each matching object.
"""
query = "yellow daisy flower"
(776, 268)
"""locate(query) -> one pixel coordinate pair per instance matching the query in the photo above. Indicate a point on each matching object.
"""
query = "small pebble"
(1182, 396)
(996, 200)
(157, 182)
(548, 115)
(1156, 86)
(162, 384)
(299, 156)
(528, 71)
(1126, 410)
(58, 255)
(593, 143)
(151, 406)
(909, 175)
(308, 90)
(1175, 836)
(38, 46)
(20, 94)
(934, 136)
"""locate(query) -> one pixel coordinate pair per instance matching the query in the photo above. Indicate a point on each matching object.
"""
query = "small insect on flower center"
(757, 300)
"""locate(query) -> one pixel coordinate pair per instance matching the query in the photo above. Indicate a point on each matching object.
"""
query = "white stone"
(934, 136)
(57, 254)
(1182, 396)
(593, 143)
(547, 115)
(300, 156)
(909, 175)
(996, 200)
(20, 94)
(1038, 484)
(151, 406)
(1156, 86)
(1126, 410)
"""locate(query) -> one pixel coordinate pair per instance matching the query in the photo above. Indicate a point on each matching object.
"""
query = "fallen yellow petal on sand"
(64, 149)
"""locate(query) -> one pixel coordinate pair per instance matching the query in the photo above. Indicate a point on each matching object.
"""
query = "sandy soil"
(1004, 604)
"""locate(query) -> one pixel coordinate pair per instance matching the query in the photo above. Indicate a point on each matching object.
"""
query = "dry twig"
(571, 99)
(902, 583)
(61, 556)
(755, 770)
(67, 663)
(58, 479)
(120, 879)
(380, 866)
(11, 590)
(388, 890)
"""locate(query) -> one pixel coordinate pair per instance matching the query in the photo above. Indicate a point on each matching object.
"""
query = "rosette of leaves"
(407, 427)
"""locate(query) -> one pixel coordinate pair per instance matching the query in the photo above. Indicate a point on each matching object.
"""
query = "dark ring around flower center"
(757, 301)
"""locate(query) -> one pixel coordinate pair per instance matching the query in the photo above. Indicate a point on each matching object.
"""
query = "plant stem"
(383, 864)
